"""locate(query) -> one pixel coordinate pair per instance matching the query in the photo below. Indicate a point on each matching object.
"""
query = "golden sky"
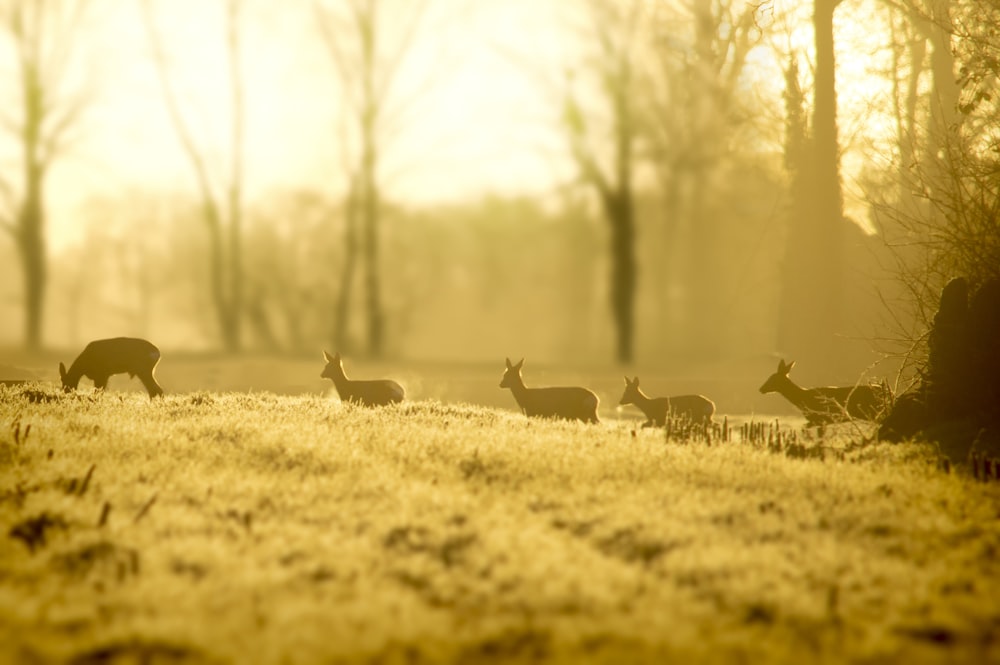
(484, 125)
(478, 127)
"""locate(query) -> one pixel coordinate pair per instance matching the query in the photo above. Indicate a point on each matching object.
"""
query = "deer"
(697, 408)
(378, 392)
(103, 358)
(828, 404)
(569, 403)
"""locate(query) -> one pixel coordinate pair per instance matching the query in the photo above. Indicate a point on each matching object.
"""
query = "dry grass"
(236, 528)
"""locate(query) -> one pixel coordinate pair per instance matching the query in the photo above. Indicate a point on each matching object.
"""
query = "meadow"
(255, 527)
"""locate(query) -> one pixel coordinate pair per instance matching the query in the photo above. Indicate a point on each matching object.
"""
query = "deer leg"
(152, 387)
(101, 382)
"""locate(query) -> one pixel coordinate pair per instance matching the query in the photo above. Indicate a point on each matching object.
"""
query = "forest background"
(690, 186)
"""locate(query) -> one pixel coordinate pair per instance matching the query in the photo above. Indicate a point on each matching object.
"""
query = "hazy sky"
(485, 124)
(480, 127)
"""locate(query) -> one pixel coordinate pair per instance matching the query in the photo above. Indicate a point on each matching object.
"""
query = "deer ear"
(781, 366)
(328, 357)
(627, 382)
(789, 366)
(62, 371)
(635, 382)
(519, 364)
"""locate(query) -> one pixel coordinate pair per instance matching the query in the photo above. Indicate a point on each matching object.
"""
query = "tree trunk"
(235, 297)
(343, 307)
(31, 244)
(31, 216)
(373, 299)
(369, 184)
(828, 303)
(619, 211)
(812, 306)
(942, 144)
(704, 266)
(220, 276)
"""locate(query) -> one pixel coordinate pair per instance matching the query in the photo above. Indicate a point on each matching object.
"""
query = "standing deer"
(570, 403)
(378, 392)
(828, 404)
(697, 408)
(102, 358)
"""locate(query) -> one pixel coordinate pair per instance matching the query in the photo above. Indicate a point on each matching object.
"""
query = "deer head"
(631, 391)
(67, 385)
(779, 379)
(334, 367)
(512, 375)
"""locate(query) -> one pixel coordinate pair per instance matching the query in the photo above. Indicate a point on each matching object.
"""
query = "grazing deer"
(102, 358)
(569, 403)
(828, 404)
(696, 408)
(379, 392)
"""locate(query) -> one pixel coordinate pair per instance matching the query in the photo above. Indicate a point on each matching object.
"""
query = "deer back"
(570, 403)
(375, 392)
(118, 355)
(378, 392)
(827, 404)
(697, 408)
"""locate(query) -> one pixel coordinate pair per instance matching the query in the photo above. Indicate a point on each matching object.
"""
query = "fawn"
(696, 408)
(102, 358)
(570, 403)
(828, 404)
(378, 392)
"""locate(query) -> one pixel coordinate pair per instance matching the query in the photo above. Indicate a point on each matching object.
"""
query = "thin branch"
(173, 108)
(403, 47)
(60, 122)
(237, 92)
(8, 198)
(326, 22)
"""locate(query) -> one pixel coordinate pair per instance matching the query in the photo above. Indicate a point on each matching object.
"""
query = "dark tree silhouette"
(45, 38)
(613, 63)
(355, 37)
(222, 211)
(812, 302)
(940, 220)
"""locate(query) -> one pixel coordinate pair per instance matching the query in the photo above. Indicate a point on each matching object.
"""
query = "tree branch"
(326, 23)
(237, 96)
(180, 126)
(6, 217)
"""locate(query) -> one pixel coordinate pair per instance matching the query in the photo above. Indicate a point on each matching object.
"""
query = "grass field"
(226, 527)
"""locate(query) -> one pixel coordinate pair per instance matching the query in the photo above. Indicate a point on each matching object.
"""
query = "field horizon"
(212, 527)
(733, 386)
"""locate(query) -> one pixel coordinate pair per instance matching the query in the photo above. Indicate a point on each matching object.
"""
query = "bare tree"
(939, 216)
(45, 37)
(367, 63)
(696, 113)
(222, 195)
(606, 148)
(812, 308)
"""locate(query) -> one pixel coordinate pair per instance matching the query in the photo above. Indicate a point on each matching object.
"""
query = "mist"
(695, 190)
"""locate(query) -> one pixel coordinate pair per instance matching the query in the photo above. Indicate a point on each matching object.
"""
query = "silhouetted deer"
(828, 404)
(367, 393)
(569, 403)
(696, 408)
(102, 358)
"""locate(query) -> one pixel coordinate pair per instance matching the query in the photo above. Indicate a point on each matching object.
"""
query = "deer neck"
(340, 380)
(794, 393)
(642, 401)
(73, 375)
(518, 388)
